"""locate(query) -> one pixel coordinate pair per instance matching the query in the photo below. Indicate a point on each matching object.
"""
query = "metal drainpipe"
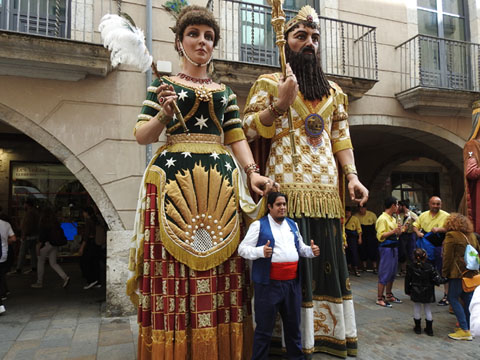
(148, 40)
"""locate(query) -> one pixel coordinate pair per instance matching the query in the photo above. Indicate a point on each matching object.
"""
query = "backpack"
(471, 256)
(57, 236)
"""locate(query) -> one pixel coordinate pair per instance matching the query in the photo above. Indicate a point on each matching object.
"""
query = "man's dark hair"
(349, 208)
(312, 82)
(272, 197)
(389, 201)
(404, 202)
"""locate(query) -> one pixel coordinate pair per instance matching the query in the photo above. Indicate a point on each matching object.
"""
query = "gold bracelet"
(349, 169)
(163, 118)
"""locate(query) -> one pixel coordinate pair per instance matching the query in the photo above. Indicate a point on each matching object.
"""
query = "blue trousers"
(387, 268)
(455, 291)
(282, 296)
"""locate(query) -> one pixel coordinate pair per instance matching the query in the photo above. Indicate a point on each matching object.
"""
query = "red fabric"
(283, 270)
(180, 297)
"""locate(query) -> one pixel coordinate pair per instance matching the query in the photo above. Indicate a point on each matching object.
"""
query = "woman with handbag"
(459, 235)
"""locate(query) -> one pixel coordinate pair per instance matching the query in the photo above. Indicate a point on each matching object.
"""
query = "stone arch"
(66, 157)
(409, 139)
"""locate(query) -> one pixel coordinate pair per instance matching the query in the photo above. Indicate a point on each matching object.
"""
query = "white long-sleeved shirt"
(475, 314)
(284, 250)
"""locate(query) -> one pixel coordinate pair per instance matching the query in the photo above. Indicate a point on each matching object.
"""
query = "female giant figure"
(187, 279)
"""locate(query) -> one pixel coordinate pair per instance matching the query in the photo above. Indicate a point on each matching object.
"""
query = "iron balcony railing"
(427, 61)
(348, 49)
(68, 19)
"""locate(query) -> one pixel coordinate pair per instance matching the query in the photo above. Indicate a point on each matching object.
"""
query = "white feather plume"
(125, 41)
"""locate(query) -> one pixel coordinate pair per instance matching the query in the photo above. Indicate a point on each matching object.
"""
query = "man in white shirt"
(7, 236)
(274, 244)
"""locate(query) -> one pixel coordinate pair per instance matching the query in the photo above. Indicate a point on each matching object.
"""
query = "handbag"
(470, 284)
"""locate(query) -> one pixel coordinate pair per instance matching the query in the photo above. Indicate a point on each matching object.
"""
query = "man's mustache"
(308, 50)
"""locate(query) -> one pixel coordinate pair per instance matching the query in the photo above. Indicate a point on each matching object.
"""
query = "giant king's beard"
(307, 68)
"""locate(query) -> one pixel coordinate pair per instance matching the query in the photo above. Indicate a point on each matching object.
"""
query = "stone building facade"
(60, 101)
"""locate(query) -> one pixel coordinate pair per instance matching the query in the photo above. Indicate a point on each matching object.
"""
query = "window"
(445, 59)
(41, 17)
(415, 186)
(257, 43)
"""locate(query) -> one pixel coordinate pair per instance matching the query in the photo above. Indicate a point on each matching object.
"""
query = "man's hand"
(357, 191)
(262, 185)
(267, 250)
(315, 248)
(287, 90)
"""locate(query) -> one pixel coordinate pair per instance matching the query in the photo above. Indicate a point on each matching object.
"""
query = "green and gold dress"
(187, 280)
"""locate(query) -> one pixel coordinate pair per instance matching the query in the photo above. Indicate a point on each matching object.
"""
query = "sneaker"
(66, 282)
(98, 286)
(4, 297)
(26, 272)
(2, 309)
(461, 334)
(37, 286)
(14, 272)
(443, 302)
(86, 287)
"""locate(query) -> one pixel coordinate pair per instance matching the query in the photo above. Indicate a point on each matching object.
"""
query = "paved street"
(53, 323)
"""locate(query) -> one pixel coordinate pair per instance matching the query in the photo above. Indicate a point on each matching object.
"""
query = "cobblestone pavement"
(54, 323)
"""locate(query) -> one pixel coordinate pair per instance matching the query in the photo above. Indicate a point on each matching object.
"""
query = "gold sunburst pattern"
(201, 218)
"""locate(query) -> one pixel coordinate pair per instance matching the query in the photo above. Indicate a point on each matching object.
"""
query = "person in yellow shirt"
(388, 232)
(369, 248)
(353, 231)
(433, 222)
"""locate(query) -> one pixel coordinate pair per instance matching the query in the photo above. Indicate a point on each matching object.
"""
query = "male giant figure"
(319, 112)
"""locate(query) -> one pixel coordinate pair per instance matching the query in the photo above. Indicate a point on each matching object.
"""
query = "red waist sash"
(283, 270)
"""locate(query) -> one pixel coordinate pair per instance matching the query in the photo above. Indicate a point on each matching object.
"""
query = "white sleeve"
(475, 314)
(305, 250)
(10, 231)
(248, 248)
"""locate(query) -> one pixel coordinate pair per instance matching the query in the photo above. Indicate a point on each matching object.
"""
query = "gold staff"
(278, 24)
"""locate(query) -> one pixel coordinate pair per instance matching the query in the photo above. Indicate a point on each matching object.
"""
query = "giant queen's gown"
(186, 278)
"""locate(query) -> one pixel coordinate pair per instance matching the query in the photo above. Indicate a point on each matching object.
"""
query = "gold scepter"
(278, 24)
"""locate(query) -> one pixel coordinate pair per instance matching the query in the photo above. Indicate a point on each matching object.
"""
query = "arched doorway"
(389, 150)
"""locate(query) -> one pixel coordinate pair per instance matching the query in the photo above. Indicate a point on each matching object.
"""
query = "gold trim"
(233, 107)
(307, 304)
(193, 138)
(186, 206)
(332, 299)
(312, 200)
(330, 339)
(234, 135)
(152, 104)
(222, 86)
(145, 117)
(138, 125)
(341, 145)
(152, 89)
(213, 115)
(232, 97)
(199, 148)
(232, 122)
(267, 132)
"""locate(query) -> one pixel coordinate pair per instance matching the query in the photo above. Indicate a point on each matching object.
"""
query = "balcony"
(438, 76)
(53, 39)
(247, 48)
